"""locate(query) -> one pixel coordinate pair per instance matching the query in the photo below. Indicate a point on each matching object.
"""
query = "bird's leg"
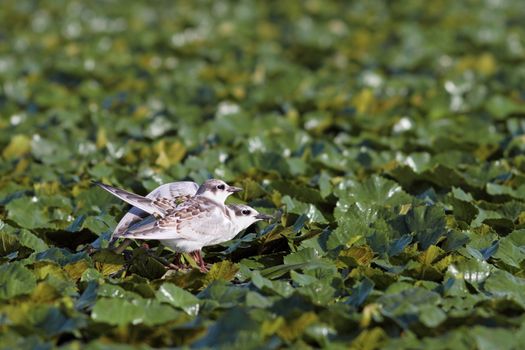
(202, 264)
(196, 255)
(122, 246)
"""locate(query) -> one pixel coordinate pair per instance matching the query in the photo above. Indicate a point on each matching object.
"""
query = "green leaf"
(60, 256)
(390, 135)
(178, 297)
(488, 338)
(319, 292)
(121, 312)
(235, 326)
(15, 279)
(373, 191)
(411, 301)
(301, 193)
(428, 224)
(502, 284)
(325, 185)
(432, 316)
(27, 239)
(53, 321)
(29, 213)
(495, 189)
(296, 207)
(462, 203)
(474, 271)
(301, 256)
(502, 106)
(360, 292)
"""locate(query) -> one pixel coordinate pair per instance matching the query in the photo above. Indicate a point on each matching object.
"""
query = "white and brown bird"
(184, 222)
(159, 205)
(197, 224)
(179, 192)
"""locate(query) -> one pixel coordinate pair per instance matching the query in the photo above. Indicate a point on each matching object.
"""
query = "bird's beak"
(263, 217)
(233, 189)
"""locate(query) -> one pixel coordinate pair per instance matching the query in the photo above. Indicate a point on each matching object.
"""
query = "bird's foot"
(196, 255)
(122, 247)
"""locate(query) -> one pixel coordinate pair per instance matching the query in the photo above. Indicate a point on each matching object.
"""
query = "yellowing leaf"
(168, 155)
(102, 139)
(107, 262)
(224, 270)
(295, 328)
(362, 255)
(269, 327)
(76, 269)
(364, 100)
(429, 255)
(44, 292)
(18, 146)
(369, 339)
(47, 188)
(487, 64)
(368, 312)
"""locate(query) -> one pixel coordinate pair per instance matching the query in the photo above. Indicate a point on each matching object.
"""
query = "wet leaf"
(178, 297)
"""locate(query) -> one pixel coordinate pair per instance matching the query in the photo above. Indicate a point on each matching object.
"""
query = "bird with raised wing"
(196, 224)
(215, 190)
(165, 200)
(179, 192)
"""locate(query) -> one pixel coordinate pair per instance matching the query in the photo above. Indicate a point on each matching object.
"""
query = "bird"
(168, 199)
(180, 191)
(213, 189)
(196, 224)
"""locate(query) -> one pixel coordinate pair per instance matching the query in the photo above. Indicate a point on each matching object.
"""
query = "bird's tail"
(143, 203)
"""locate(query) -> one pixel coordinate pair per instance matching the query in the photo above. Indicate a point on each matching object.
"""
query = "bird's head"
(216, 190)
(244, 215)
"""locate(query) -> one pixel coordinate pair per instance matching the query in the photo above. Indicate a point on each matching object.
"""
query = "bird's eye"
(221, 187)
(246, 212)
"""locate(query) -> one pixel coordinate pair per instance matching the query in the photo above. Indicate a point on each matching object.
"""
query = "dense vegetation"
(388, 136)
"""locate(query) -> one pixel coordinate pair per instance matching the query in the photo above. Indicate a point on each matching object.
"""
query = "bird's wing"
(140, 202)
(157, 206)
(175, 190)
(131, 217)
(191, 220)
(179, 191)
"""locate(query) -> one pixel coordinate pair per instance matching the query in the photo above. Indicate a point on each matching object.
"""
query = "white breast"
(197, 233)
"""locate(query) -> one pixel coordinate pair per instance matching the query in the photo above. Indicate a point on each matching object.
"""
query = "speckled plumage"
(170, 194)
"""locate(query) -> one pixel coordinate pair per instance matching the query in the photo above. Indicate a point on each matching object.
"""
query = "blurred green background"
(390, 134)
